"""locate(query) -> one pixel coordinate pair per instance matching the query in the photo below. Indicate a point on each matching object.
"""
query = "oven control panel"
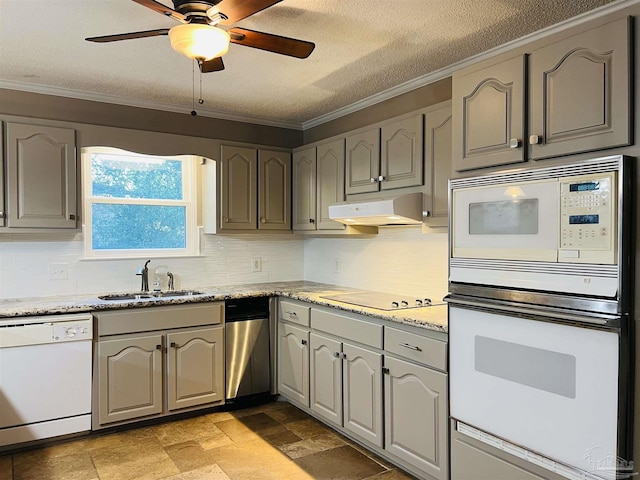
(587, 218)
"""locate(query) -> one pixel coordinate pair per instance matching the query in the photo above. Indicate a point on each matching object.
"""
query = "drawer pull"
(410, 347)
(291, 314)
(173, 345)
(304, 342)
(158, 347)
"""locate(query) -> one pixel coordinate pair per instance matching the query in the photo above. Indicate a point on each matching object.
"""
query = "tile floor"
(271, 441)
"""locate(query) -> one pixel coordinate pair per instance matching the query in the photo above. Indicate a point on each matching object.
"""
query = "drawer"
(415, 347)
(348, 328)
(294, 312)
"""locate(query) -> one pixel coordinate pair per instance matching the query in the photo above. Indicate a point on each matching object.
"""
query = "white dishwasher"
(45, 377)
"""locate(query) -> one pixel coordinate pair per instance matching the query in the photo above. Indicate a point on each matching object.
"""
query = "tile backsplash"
(398, 260)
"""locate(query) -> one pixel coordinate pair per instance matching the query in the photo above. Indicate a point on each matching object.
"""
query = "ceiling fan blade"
(129, 36)
(271, 43)
(163, 9)
(213, 65)
(236, 10)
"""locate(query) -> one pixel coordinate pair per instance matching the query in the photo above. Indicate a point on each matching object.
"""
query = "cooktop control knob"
(418, 302)
(395, 304)
(404, 304)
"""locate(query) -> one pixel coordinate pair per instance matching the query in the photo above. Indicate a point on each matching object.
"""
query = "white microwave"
(554, 228)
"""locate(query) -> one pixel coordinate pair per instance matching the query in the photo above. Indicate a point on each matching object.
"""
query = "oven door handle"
(583, 318)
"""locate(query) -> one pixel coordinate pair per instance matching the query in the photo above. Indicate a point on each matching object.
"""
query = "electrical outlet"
(58, 271)
(337, 264)
(256, 264)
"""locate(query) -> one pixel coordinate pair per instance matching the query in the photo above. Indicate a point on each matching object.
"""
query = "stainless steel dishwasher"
(247, 347)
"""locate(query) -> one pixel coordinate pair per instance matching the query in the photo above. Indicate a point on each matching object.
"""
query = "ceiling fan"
(199, 37)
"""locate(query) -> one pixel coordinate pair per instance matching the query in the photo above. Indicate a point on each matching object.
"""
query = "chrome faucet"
(144, 273)
(170, 275)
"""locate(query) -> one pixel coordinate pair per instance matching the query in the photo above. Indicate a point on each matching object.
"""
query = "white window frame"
(189, 201)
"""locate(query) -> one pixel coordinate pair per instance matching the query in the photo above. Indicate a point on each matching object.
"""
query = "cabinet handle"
(311, 220)
(426, 213)
(336, 354)
(515, 143)
(410, 347)
(158, 347)
(291, 314)
(263, 220)
(304, 342)
(385, 370)
(174, 345)
(343, 355)
(1, 214)
(374, 180)
(72, 217)
(225, 219)
(381, 178)
(535, 139)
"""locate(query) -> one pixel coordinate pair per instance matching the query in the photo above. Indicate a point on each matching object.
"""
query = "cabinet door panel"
(326, 378)
(488, 115)
(438, 140)
(41, 176)
(238, 188)
(580, 92)
(3, 211)
(293, 363)
(274, 190)
(304, 189)
(362, 163)
(130, 378)
(330, 164)
(362, 373)
(401, 156)
(416, 416)
(195, 368)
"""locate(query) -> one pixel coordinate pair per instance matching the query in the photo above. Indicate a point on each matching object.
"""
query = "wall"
(25, 261)
(399, 260)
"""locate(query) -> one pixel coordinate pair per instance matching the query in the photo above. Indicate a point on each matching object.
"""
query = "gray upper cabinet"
(401, 153)
(304, 189)
(274, 190)
(386, 157)
(578, 101)
(330, 182)
(238, 188)
(41, 174)
(437, 165)
(488, 115)
(362, 163)
(255, 189)
(580, 92)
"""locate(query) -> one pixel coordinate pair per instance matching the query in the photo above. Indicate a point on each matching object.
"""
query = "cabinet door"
(3, 211)
(274, 190)
(304, 189)
(437, 142)
(362, 374)
(416, 416)
(330, 165)
(401, 157)
(130, 378)
(362, 162)
(293, 363)
(195, 368)
(326, 378)
(238, 188)
(488, 115)
(580, 92)
(41, 176)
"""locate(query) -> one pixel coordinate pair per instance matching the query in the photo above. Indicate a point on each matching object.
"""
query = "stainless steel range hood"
(401, 210)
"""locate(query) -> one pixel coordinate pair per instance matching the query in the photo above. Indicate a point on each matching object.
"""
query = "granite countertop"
(431, 318)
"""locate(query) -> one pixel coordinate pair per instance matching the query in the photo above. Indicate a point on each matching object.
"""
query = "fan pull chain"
(201, 100)
(193, 88)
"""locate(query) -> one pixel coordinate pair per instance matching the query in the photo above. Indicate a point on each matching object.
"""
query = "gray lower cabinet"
(416, 415)
(40, 181)
(293, 363)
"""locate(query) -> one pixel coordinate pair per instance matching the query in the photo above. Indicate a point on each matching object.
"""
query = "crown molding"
(165, 107)
(449, 70)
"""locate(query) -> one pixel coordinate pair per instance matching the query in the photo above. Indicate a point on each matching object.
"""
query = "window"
(138, 205)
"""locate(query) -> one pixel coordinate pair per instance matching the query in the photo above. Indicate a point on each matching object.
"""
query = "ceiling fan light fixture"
(199, 41)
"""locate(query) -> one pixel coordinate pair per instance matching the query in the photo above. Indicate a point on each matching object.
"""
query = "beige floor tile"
(286, 413)
(237, 431)
(259, 421)
(312, 445)
(217, 439)
(210, 472)
(342, 463)
(190, 455)
(394, 474)
(184, 430)
(6, 469)
(75, 466)
(308, 428)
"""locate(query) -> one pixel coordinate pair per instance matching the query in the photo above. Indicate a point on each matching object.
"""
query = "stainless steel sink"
(149, 295)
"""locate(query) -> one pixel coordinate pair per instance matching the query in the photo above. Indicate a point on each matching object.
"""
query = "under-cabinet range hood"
(401, 210)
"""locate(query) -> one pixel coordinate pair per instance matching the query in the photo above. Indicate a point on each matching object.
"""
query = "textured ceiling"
(363, 47)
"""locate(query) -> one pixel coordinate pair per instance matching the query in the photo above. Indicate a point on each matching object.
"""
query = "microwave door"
(507, 222)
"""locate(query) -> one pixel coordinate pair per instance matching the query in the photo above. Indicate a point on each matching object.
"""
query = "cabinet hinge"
(385, 370)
